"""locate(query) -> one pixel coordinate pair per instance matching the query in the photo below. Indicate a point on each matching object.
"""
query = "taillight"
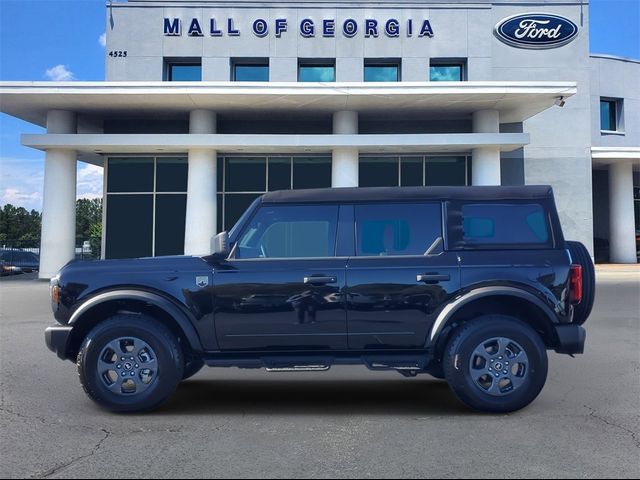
(575, 284)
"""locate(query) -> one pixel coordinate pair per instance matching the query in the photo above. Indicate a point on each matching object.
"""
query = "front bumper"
(571, 339)
(57, 337)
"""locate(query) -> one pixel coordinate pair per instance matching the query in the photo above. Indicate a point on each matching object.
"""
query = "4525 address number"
(118, 53)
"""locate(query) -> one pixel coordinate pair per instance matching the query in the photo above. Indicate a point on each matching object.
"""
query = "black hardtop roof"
(373, 194)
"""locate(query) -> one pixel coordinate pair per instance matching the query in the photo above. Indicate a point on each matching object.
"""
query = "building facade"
(208, 104)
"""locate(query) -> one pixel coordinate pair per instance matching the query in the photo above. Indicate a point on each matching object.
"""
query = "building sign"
(308, 28)
(536, 31)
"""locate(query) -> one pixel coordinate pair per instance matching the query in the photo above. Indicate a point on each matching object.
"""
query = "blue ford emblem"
(536, 30)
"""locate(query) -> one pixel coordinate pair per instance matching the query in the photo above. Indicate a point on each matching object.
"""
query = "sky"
(63, 40)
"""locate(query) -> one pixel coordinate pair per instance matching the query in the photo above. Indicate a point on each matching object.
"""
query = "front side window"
(290, 231)
(397, 229)
(315, 71)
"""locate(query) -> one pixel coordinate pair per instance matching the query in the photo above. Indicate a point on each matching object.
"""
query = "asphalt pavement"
(347, 422)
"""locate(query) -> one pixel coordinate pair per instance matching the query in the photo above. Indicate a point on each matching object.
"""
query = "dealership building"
(208, 104)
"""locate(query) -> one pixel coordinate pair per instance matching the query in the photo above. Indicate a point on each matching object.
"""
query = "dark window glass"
(245, 174)
(446, 73)
(184, 72)
(445, 171)
(290, 231)
(279, 173)
(220, 173)
(220, 206)
(170, 215)
(411, 172)
(235, 205)
(251, 73)
(129, 226)
(130, 175)
(171, 175)
(378, 172)
(397, 229)
(504, 224)
(311, 172)
(381, 73)
(316, 73)
(608, 115)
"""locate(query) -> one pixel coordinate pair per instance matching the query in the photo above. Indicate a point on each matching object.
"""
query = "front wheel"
(496, 363)
(130, 363)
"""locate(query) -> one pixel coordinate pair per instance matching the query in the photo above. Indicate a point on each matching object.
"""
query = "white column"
(201, 215)
(486, 160)
(58, 233)
(622, 240)
(344, 163)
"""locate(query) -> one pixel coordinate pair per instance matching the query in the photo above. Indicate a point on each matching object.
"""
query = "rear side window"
(518, 225)
(397, 229)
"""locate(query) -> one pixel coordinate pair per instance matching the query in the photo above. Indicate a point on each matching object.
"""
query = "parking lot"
(347, 422)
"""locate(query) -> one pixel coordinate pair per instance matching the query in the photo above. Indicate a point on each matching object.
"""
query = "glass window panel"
(220, 173)
(234, 206)
(219, 219)
(397, 229)
(445, 73)
(445, 171)
(381, 73)
(290, 231)
(311, 172)
(411, 174)
(245, 174)
(251, 73)
(170, 215)
(183, 72)
(279, 173)
(494, 224)
(317, 73)
(378, 172)
(171, 175)
(130, 175)
(608, 115)
(129, 226)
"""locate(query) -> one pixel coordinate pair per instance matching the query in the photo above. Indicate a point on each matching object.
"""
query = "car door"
(282, 287)
(400, 276)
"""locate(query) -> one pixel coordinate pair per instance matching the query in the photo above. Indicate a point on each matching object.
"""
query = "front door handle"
(313, 280)
(433, 278)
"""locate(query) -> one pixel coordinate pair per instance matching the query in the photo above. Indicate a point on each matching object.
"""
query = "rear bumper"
(571, 339)
(57, 337)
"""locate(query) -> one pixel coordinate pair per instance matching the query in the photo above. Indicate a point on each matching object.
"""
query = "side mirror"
(220, 244)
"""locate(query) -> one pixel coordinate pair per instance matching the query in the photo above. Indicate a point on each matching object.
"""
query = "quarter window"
(290, 232)
(397, 229)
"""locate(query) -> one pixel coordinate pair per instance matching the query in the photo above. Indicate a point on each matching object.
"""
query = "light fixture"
(560, 101)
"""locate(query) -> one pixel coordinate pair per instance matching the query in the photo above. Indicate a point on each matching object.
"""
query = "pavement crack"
(52, 471)
(26, 417)
(594, 414)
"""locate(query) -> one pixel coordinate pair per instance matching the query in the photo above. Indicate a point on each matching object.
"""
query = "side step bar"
(299, 368)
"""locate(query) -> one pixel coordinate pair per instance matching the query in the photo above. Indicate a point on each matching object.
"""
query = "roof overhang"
(516, 101)
(602, 156)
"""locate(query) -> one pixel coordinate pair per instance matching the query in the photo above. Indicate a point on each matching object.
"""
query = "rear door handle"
(433, 278)
(313, 280)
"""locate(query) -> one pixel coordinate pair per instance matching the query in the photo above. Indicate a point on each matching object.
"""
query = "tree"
(89, 223)
(19, 227)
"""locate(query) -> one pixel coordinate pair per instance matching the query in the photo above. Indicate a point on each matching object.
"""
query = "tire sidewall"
(169, 371)
(462, 346)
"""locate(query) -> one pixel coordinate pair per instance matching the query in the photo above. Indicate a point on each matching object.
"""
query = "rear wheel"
(130, 363)
(580, 255)
(495, 363)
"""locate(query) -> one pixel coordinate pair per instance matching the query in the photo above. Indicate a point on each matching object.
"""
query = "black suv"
(471, 284)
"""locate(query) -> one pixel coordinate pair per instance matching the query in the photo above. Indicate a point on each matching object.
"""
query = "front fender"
(183, 318)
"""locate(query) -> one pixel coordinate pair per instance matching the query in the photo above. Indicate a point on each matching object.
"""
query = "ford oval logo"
(536, 30)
